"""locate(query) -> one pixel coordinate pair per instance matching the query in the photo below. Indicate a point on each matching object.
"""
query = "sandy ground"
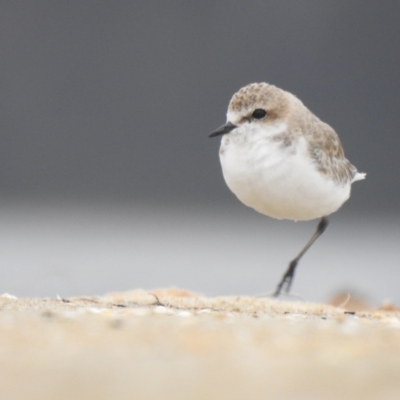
(178, 345)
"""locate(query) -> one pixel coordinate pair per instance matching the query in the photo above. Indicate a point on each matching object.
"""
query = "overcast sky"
(116, 99)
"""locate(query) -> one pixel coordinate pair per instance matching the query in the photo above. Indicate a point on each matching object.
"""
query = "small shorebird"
(280, 159)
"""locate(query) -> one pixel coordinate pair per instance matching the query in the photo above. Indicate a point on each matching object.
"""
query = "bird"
(280, 159)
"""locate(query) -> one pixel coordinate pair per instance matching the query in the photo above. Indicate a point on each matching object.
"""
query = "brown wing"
(327, 153)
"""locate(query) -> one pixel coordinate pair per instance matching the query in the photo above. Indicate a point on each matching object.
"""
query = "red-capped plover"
(280, 159)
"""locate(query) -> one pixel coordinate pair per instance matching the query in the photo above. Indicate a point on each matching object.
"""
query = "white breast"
(277, 180)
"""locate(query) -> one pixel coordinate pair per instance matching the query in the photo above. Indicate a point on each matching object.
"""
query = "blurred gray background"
(108, 180)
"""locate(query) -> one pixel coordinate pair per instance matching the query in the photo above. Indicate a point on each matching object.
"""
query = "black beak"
(222, 130)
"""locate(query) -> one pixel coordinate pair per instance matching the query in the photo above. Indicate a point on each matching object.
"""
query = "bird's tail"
(359, 176)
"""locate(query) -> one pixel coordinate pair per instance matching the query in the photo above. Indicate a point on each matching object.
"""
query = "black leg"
(287, 279)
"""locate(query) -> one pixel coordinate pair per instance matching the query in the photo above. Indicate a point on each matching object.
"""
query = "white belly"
(281, 182)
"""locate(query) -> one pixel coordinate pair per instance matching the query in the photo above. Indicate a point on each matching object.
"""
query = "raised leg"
(287, 279)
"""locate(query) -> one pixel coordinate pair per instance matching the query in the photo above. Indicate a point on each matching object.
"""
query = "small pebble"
(162, 310)
(8, 296)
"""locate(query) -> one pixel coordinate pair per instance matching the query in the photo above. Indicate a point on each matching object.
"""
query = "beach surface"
(175, 344)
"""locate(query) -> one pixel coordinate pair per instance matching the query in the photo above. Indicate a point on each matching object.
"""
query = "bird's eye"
(259, 113)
